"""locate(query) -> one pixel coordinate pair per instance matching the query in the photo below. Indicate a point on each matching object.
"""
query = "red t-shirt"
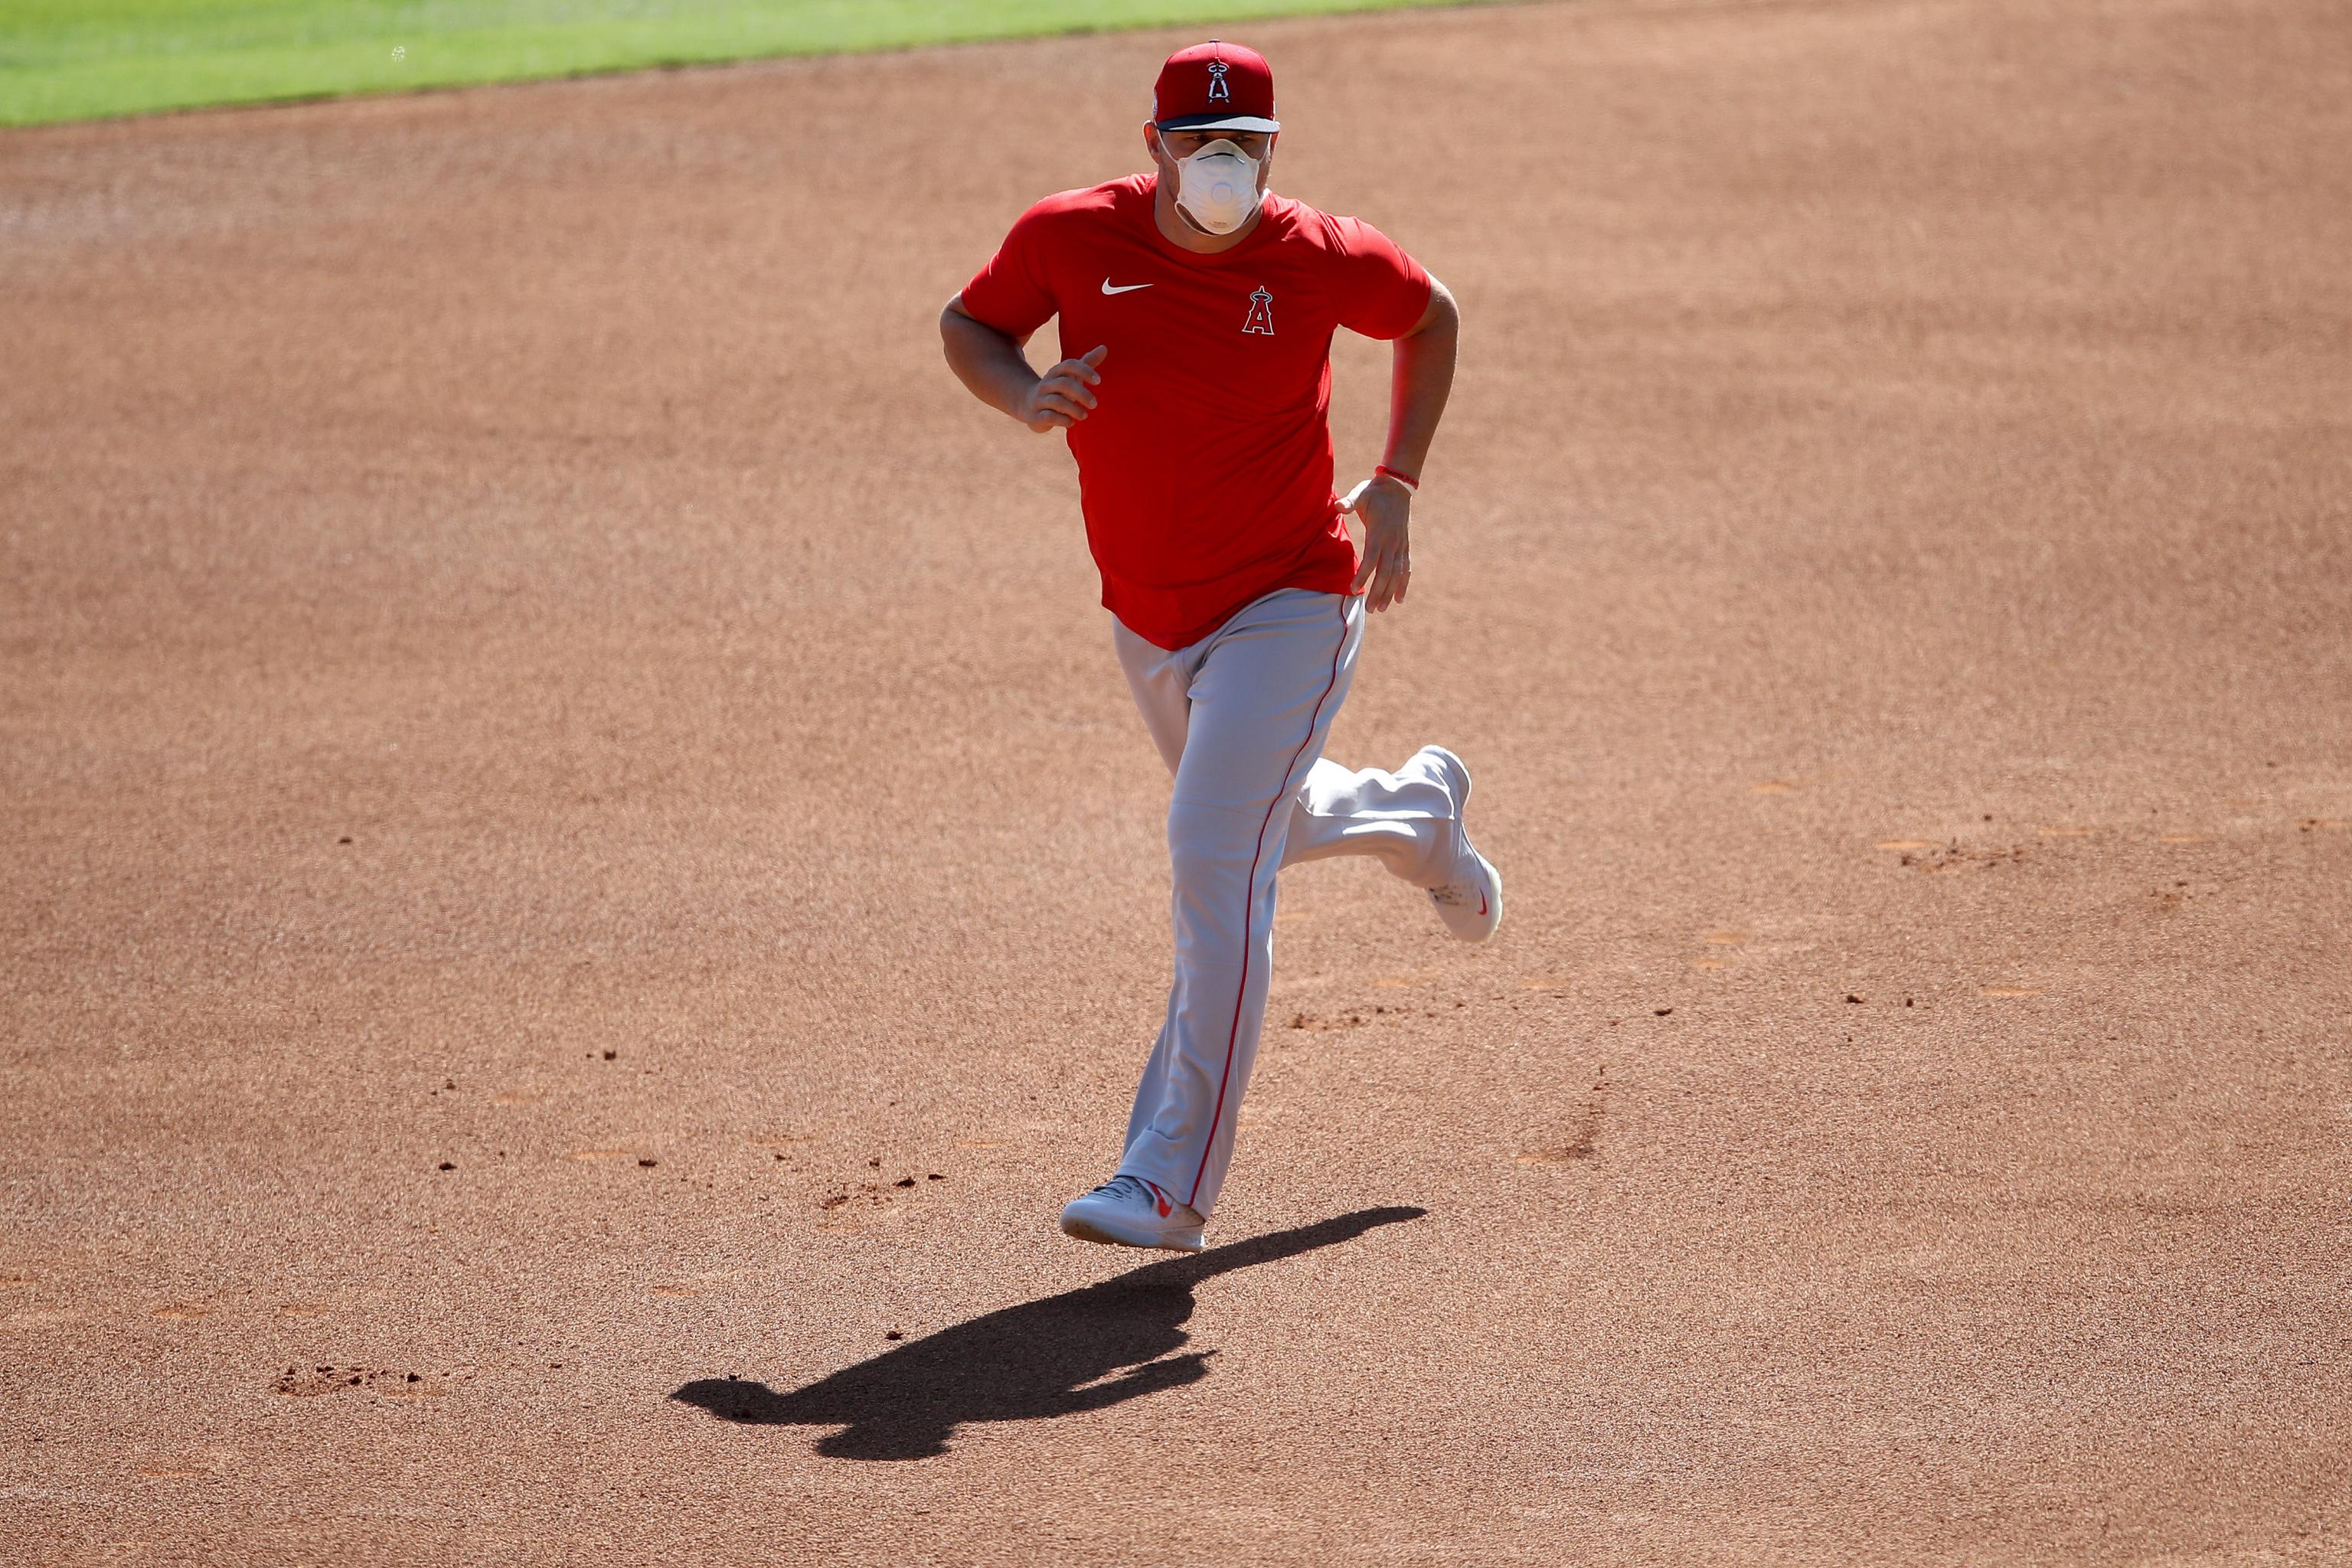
(1206, 472)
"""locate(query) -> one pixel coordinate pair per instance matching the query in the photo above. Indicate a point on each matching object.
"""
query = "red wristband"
(1411, 485)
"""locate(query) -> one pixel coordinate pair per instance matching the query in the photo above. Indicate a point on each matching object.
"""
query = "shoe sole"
(1494, 924)
(1086, 1230)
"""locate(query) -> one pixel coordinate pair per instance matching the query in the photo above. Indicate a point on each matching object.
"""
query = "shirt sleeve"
(1384, 293)
(1013, 293)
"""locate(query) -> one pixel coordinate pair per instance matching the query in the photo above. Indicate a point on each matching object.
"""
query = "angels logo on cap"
(1214, 86)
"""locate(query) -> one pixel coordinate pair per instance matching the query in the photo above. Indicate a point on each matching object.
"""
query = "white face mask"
(1217, 187)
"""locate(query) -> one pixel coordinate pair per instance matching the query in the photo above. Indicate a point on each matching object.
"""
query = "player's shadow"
(1042, 1359)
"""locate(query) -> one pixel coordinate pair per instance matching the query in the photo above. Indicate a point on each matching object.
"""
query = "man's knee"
(1218, 839)
(1214, 852)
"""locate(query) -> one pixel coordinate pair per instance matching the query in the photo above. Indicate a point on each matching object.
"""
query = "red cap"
(1214, 87)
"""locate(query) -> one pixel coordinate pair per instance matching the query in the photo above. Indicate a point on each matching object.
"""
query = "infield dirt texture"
(582, 881)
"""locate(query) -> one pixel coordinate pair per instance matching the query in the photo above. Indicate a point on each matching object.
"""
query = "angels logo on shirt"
(1261, 313)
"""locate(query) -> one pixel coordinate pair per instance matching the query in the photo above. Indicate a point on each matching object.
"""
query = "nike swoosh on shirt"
(1124, 288)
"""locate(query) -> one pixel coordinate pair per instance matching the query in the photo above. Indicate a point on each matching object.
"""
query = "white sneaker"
(1470, 899)
(1127, 1211)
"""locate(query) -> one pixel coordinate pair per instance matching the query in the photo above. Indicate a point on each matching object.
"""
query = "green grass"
(83, 59)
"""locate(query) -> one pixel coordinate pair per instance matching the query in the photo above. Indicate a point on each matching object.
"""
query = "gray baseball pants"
(1240, 717)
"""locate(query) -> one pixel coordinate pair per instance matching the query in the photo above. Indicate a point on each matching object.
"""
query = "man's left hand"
(1386, 508)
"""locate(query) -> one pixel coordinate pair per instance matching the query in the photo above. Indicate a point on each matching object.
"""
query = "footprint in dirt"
(1325, 1021)
(880, 1191)
(1582, 1136)
(309, 1382)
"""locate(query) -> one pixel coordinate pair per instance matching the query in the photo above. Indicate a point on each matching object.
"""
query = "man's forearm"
(987, 362)
(1420, 382)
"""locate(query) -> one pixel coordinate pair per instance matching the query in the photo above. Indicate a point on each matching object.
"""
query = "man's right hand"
(1061, 398)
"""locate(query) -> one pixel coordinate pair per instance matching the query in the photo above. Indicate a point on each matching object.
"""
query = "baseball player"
(1196, 318)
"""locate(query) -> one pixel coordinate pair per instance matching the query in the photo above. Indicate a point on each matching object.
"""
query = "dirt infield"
(583, 883)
